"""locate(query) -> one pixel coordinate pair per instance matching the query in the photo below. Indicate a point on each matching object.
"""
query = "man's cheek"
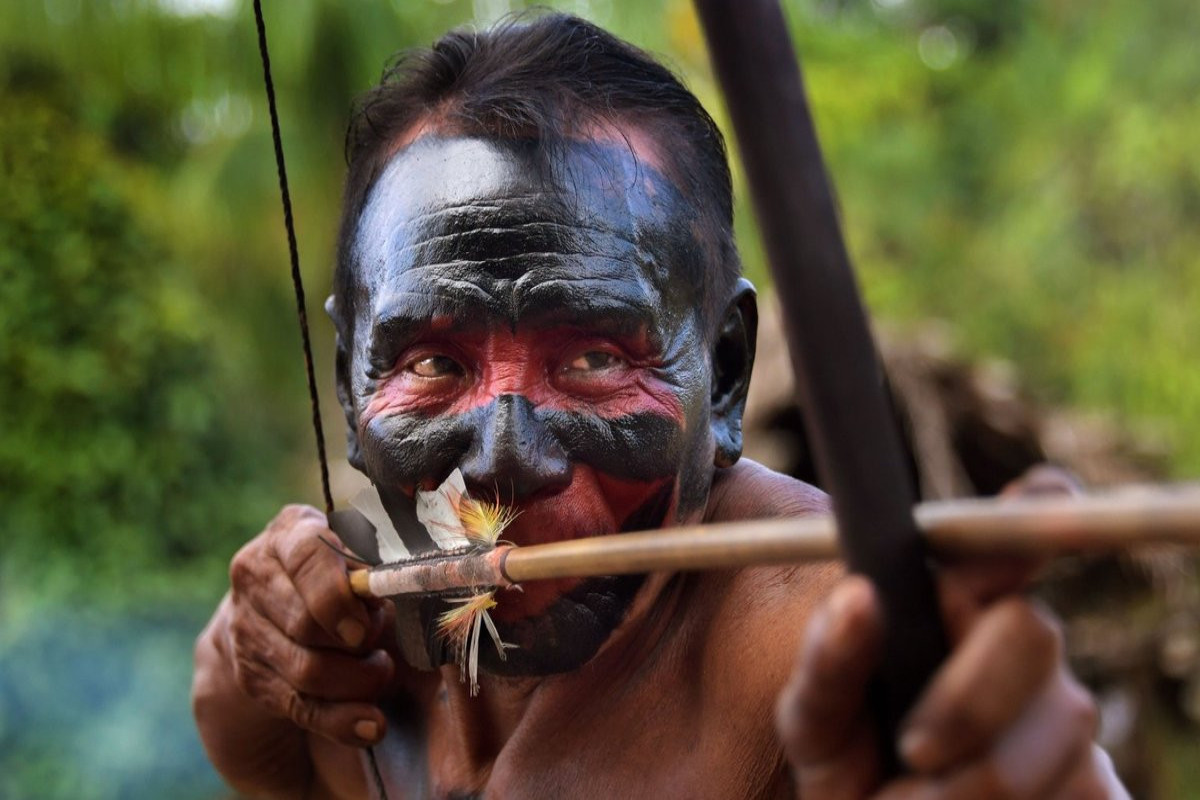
(652, 504)
(695, 479)
(409, 450)
(621, 395)
(635, 447)
(405, 451)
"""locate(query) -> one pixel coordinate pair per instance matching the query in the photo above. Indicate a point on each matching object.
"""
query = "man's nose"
(514, 455)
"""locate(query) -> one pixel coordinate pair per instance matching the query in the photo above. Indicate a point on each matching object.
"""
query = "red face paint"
(559, 369)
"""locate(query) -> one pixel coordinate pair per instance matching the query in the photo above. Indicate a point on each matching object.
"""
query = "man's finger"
(258, 576)
(968, 587)
(353, 724)
(1093, 779)
(320, 673)
(1047, 753)
(319, 575)
(821, 713)
(273, 596)
(997, 670)
(1050, 741)
(1044, 480)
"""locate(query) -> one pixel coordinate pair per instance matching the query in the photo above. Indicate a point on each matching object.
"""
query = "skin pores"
(535, 321)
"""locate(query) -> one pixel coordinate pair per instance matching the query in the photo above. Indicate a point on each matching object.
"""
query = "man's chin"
(565, 636)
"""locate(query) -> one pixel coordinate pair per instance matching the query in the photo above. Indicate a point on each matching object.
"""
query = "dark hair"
(541, 77)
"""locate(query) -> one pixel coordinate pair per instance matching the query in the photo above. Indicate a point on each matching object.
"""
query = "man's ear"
(345, 393)
(732, 360)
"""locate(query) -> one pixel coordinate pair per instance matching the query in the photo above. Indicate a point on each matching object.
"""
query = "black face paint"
(534, 452)
(541, 329)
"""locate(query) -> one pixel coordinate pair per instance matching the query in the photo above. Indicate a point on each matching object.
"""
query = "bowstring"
(301, 308)
(293, 252)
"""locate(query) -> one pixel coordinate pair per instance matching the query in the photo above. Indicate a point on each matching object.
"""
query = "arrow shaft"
(1035, 527)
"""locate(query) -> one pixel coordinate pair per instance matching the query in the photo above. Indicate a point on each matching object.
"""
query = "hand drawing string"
(302, 314)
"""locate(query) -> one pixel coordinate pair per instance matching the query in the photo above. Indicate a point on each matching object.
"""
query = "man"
(537, 284)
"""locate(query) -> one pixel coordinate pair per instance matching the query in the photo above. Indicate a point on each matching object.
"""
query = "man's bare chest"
(611, 746)
(691, 715)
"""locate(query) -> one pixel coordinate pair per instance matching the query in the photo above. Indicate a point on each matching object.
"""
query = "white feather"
(474, 656)
(501, 645)
(436, 510)
(368, 503)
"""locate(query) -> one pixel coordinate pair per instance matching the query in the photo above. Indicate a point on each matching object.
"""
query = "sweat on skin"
(541, 328)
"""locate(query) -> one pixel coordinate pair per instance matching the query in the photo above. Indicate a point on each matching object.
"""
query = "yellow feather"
(460, 628)
(484, 521)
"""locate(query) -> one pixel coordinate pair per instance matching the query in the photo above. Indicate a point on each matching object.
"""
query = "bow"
(838, 376)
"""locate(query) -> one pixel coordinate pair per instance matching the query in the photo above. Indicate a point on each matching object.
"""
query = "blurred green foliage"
(121, 453)
(1025, 171)
(1039, 191)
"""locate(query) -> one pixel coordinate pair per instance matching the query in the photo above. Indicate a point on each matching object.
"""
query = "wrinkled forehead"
(501, 214)
(586, 178)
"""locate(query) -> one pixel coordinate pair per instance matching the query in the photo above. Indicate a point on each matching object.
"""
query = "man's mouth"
(552, 625)
(566, 516)
(558, 518)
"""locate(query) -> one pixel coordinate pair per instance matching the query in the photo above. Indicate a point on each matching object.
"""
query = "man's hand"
(301, 642)
(290, 651)
(1001, 718)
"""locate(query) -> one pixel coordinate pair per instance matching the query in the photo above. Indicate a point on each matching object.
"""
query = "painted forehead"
(478, 228)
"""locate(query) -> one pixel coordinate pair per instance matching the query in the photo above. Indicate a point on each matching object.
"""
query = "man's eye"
(593, 361)
(435, 367)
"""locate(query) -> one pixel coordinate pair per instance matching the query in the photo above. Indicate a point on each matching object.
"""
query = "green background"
(1026, 173)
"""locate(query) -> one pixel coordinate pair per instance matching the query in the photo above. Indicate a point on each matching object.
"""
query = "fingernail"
(915, 744)
(351, 631)
(367, 730)
(847, 599)
(844, 597)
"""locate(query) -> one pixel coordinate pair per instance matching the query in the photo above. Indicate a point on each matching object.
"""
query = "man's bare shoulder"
(748, 490)
(758, 614)
(752, 642)
(763, 609)
(762, 613)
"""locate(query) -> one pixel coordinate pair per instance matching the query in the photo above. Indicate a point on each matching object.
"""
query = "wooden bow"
(838, 374)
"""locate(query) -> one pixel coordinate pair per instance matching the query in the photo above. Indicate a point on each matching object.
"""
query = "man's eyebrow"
(404, 310)
(629, 317)
(400, 321)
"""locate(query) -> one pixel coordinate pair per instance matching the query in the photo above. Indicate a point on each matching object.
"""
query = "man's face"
(542, 333)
